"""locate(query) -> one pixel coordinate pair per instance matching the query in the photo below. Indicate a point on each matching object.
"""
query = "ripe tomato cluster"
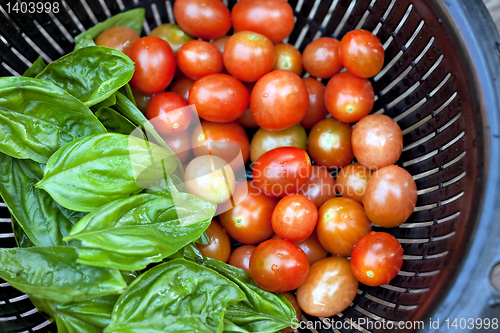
(294, 226)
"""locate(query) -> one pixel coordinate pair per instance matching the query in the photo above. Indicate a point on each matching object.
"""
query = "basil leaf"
(52, 272)
(132, 18)
(131, 233)
(98, 169)
(91, 74)
(36, 118)
(36, 213)
(35, 69)
(114, 122)
(22, 239)
(108, 102)
(176, 296)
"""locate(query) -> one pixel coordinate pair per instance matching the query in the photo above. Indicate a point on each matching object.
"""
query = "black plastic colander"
(440, 82)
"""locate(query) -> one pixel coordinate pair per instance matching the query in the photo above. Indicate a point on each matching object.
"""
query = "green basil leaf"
(22, 239)
(176, 296)
(37, 118)
(52, 272)
(114, 122)
(133, 18)
(98, 169)
(126, 90)
(91, 74)
(108, 102)
(35, 69)
(133, 232)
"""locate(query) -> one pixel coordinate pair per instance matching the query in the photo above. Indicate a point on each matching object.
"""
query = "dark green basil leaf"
(98, 169)
(126, 90)
(22, 239)
(114, 122)
(133, 232)
(37, 118)
(133, 19)
(91, 74)
(52, 272)
(108, 102)
(176, 296)
(35, 69)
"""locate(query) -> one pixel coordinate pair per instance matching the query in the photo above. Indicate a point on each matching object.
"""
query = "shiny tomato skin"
(316, 109)
(220, 43)
(279, 100)
(390, 196)
(180, 143)
(288, 58)
(248, 55)
(351, 181)
(312, 248)
(329, 143)
(219, 247)
(181, 86)
(282, 171)
(294, 217)
(349, 98)
(362, 53)
(377, 259)
(169, 113)
(150, 54)
(272, 18)
(329, 288)
(240, 257)
(198, 58)
(321, 58)
(208, 19)
(219, 98)
(377, 141)
(342, 223)
(264, 140)
(172, 34)
(320, 187)
(249, 222)
(119, 38)
(278, 265)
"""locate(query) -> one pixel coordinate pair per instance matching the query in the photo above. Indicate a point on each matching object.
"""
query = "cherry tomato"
(316, 109)
(198, 58)
(119, 38)
(169, 113)
(154, 64)
(377, 141)
(219, 247)
(219, 98)
(390, 196)
(329, 288)
(329, 143)
(349, 98)
(361, 53)
(248, 55)
(342, 223)
(272, 18)
(287, 58)
(294, 217)
(312, 248)
(221, 43)
(377, 259)
(296, 307)
(279, 100)
(208, 19)
(180, 143)
(278, 265)
(141, 99)
(210, 178)
(320, 187)
(181, 86)
(240, 257)
(282, 171)
(172, 34)
(247, 120)
(249, 222)
(264, 140)
(321, 57)
(351, 181)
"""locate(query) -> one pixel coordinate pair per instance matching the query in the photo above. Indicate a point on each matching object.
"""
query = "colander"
(440, 82)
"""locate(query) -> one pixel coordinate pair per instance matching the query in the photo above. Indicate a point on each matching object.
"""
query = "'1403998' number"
(32, 7)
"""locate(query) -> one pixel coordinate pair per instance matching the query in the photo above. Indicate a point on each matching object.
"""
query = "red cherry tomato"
(278, 265)
(377, 141)
(169, 113)
(208, 19)
(329, 288)
(312, 248)
(240, 257)
(219, 247)
(390, 196)
(198, 58)
(248, 55)
(342, 223)
(320, 187)
(351, 181)
(362, 53)
(119, 38)
(221, 43)
(321, 58)
(249, 222)
(316, 110)
(282, 171)
(329, 143)
(180, 143)
(294, 217)
(377, 259)
(349, 98)
(181, 86)
(279, 100)
(219, 98)
(287, 58)
(272, 18)
(154, 64)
